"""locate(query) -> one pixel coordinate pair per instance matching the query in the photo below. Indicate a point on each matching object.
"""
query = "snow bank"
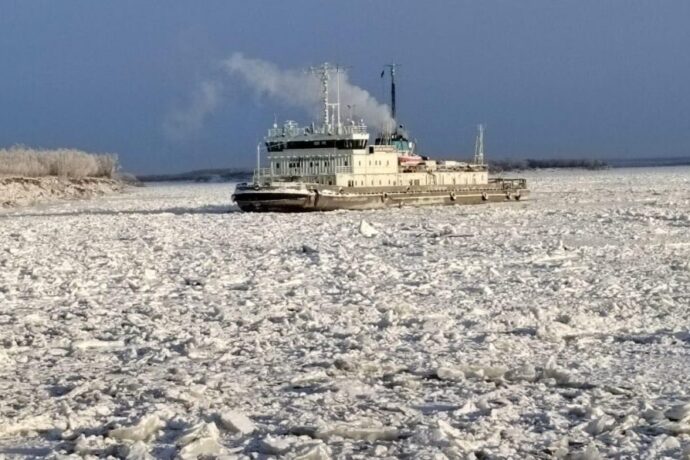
(22, 191)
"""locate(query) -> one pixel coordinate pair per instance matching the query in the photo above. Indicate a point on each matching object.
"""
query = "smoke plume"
(293, 88)
(302, 90)
(182, 123)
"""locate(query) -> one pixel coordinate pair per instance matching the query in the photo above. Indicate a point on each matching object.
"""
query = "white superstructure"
(337, 153)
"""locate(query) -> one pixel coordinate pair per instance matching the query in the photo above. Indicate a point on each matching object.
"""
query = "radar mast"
(321, 72)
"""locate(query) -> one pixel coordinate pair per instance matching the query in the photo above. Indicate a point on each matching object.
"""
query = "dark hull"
(266, 199)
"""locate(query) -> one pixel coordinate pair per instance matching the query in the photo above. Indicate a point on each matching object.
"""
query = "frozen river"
(162, 321)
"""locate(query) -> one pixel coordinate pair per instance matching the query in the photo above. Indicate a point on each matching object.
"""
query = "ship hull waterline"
(263, 199)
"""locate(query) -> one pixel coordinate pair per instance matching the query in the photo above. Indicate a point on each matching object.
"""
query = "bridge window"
(345, 162)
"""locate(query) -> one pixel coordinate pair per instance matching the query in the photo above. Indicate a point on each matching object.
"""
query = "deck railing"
(293, 131)
(262, 174)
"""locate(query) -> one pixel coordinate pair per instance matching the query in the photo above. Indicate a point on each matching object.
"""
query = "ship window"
(359, 163)
(379, 182)
(371, 149)
(345, 162)
(369, 162)
(311, 164)
(388, 162)
(277, 165)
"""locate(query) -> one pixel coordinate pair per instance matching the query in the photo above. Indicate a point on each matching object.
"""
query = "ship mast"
(331, 111)
(338, 70)
(479, 146)
(322, 73)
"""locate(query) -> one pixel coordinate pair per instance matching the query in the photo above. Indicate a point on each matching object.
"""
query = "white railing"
(294, 131)
(268, 173)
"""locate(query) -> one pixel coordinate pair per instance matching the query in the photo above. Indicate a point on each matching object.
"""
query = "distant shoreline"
(200, 175)
(243, 175)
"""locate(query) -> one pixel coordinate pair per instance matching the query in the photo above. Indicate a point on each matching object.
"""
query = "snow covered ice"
(163, 323)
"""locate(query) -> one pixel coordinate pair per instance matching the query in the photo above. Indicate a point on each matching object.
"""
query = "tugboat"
(333, 166)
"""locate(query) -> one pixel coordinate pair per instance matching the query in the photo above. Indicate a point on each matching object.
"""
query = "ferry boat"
(334, 166)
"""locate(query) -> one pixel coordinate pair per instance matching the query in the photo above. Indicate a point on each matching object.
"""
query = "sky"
(148, 80)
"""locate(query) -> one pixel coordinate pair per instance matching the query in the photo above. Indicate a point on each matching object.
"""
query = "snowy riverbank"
(23, 191)
(162, 322)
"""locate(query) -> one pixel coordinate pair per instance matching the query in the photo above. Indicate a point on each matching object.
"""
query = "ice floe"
(153, 325)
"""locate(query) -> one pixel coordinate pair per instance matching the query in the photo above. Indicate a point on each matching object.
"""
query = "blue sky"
(592, 78)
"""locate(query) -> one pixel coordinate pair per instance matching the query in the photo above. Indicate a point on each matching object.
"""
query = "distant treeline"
(27, 162)
(201, 175)
(512, 165)
(647, 162)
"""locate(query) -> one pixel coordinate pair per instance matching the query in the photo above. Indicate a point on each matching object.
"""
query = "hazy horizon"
(164, 88)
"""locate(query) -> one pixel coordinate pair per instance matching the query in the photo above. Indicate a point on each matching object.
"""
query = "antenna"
(257, 176)
(338, 70)
(392, 68)
(479, 146)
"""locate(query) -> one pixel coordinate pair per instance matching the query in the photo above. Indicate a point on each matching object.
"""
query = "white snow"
(133, 324)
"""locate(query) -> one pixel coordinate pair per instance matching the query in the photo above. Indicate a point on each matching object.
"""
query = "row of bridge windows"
(300, 164)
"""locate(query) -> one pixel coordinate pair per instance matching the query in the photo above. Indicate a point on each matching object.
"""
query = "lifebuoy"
(484, 196)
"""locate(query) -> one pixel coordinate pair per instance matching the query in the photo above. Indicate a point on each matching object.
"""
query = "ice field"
(161, 322)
